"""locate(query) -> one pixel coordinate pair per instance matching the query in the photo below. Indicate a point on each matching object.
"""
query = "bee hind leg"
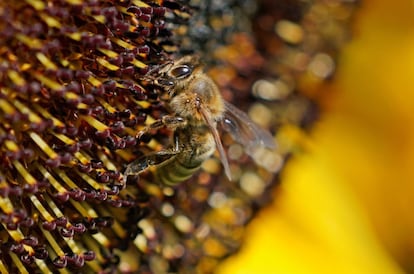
(144, 162)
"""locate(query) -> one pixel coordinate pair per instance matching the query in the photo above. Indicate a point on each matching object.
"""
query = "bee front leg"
(171, 122)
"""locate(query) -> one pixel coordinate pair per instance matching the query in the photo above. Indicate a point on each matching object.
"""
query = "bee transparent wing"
(217, 140)
(244, 130)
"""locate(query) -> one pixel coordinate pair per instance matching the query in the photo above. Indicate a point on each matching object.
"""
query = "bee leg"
(144, 162)
(171, 122)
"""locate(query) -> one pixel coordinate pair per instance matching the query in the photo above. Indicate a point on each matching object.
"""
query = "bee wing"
(244, 130)
(212, 126)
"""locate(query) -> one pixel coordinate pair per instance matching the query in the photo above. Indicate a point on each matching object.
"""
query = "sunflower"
(77, 83)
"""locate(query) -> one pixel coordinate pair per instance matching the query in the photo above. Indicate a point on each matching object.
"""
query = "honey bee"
(198, 109)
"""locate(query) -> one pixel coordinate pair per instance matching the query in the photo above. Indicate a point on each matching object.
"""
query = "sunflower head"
(77, 84)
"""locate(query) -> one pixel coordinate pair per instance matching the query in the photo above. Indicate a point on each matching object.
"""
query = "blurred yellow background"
(344, 205)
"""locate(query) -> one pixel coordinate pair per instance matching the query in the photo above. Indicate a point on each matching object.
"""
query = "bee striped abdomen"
(174, 172)
(195, 150)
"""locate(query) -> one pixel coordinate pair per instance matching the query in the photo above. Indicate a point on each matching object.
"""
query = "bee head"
(195, 95)
(193, 91)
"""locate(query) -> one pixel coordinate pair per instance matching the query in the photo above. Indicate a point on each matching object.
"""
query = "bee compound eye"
(181, 71)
